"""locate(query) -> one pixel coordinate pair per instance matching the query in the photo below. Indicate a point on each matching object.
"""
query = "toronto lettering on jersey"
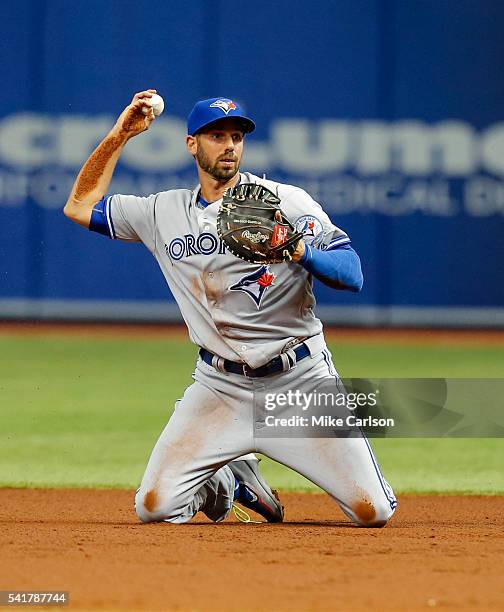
(189, 244)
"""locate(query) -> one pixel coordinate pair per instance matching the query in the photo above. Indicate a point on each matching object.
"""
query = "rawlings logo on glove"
(253, 227)
(254, 238)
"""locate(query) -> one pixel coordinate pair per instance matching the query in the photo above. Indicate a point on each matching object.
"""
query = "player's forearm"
(93, 180)
(339, 268)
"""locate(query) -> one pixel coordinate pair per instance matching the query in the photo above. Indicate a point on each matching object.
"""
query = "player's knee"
(150, 508)
(155, 505)
(374, 513)
(384, 511)
(141, 507)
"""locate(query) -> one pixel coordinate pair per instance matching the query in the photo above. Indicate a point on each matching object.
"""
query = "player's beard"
(216, 171)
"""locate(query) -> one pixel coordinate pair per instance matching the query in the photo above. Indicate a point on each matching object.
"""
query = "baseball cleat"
(253, 492)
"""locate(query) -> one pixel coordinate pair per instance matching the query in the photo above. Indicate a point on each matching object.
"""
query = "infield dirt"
(437, 552)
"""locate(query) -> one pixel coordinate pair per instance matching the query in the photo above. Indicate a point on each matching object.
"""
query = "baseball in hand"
(157, 105)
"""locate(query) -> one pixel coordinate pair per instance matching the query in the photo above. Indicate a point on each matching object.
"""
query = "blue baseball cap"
(208, 111)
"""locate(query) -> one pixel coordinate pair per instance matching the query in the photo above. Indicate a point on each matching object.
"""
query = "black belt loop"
(276, 365)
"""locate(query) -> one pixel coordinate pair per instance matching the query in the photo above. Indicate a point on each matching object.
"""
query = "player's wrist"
(304, 257)
(120, 134)
(300, 252)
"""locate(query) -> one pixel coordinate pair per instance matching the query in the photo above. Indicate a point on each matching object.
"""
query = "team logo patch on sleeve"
(255, 284)
(224, 104)
(310, 227)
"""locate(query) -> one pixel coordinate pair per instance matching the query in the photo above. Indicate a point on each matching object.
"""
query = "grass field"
(86, 411)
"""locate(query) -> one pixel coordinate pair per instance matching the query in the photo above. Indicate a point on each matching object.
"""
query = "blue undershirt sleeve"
(339, 268)
(101, 220)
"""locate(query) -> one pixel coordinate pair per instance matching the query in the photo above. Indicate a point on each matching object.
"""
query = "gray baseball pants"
(213, 424)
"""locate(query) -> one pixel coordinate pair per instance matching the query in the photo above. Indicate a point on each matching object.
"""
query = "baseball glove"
(253, 227)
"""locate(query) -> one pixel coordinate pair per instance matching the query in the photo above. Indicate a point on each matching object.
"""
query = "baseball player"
(254, 326)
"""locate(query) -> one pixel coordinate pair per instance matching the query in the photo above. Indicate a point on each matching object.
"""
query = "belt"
(277, 364)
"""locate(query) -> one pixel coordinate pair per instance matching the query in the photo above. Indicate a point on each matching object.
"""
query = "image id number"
(34, 598)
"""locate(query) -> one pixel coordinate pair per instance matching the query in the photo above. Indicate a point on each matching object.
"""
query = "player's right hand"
(133, 120)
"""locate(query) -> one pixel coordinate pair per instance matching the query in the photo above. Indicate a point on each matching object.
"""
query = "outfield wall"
(388, 112)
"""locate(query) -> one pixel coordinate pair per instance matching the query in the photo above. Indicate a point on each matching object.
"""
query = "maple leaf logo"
(266, 279)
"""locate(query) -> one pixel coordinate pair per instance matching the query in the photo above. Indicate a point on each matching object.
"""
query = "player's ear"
(192, 144)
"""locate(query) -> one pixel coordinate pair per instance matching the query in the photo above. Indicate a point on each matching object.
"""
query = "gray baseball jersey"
(240, 311)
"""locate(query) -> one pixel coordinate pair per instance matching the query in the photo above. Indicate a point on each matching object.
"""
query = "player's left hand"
(251, 224)
(299, 252)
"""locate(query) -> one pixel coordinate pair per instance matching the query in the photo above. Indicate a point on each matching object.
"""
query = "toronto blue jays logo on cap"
(205, 112)
(255, 284)
(224, 104)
